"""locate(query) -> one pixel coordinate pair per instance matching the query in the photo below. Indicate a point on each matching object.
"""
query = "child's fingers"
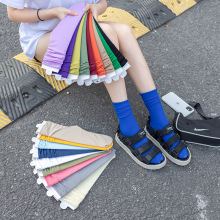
(72, 13)
(87, 7)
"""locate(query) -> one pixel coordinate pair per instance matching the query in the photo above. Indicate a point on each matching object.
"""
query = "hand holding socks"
(80, 51)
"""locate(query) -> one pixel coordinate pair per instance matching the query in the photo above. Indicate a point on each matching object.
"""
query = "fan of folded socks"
(69, 160)
(80, 51)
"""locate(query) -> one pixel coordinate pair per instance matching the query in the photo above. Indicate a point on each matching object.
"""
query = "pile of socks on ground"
(69, 160)
(80, 51)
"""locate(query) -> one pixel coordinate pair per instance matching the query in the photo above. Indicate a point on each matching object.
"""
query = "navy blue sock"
(129, 125)
(158, 119)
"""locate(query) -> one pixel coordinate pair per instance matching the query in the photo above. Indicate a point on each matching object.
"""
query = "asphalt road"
(184, 58)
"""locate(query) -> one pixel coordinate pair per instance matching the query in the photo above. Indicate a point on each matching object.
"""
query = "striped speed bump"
(24, 85)
(154, 15)
(178, 6)
(4, 120)
(58, 85)
(21, 89)
(122, 16)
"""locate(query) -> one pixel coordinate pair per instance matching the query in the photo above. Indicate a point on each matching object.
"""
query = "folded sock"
(158, 119)
(73, 135)
(63, 166)
(63, 187)
(129, 125)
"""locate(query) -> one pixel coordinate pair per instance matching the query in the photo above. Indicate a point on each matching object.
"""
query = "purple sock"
(61, 36)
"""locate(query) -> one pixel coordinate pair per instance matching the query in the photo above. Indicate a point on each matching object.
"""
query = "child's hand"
(93, 8)
(61, 12)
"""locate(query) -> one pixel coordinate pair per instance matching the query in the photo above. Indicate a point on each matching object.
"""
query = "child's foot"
(169, 143)
(158, 120)
(141, 150)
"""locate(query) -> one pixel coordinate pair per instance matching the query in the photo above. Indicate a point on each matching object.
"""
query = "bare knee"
(110, 32)
(107, 28)
(122, 29)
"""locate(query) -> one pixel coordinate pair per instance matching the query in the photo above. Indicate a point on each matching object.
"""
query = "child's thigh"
(117, 27)
(42, 46)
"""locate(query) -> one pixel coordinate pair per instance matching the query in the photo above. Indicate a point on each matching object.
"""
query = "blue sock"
(158, 119)
(129, 126)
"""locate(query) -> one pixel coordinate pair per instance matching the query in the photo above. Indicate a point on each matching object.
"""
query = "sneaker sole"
(146, 166)
(176, 161)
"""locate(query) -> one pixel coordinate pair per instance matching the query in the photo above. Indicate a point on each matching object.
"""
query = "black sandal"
(127, 143)
(156, 137)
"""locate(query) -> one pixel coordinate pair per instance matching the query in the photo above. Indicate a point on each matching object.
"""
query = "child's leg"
(139, 71)
(42, 46)
(116, 89)
(141, 76)
(118, 95)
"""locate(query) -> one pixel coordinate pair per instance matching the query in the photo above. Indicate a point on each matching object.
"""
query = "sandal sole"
(176, 161)
(146, 166)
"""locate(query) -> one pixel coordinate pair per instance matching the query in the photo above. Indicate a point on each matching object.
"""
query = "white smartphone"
(177, 104)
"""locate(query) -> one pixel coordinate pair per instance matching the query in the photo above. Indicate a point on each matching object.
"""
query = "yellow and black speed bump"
(129, 6)
(178, 6)
(58, 85)
(4, 119)
(24, 84)
(122, 16)
(151, 13)
(21, 89)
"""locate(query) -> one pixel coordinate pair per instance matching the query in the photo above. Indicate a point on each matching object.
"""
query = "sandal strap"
(151, 130)
(166, 130)
(147, 158)
(132, 140)
(173, 140)
(177, 149)
(160, 133)
(143, 148)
